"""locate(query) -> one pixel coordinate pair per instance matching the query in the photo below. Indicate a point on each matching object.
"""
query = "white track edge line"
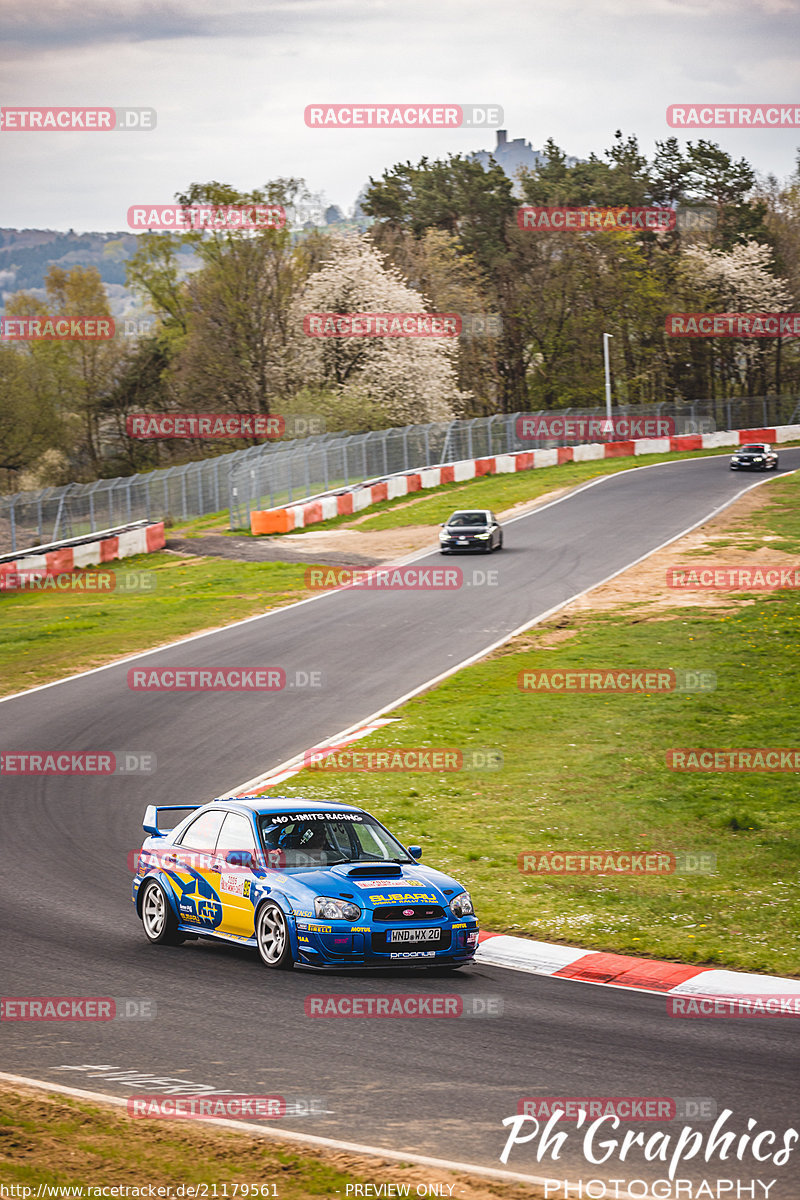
(431, 683)
(293, 1136)
(193, 637)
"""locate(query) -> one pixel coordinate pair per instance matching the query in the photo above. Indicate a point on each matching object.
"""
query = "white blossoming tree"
(413, 379)
(741, 280)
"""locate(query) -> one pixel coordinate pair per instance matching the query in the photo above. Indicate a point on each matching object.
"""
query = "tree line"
(444, 237)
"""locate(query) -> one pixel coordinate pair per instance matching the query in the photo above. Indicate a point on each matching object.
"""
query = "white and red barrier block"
(144, 539)
(322, 508)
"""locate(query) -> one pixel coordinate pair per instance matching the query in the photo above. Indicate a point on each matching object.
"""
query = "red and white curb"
(567, 962)
(328, 505)
(143, 540)
(625, 971)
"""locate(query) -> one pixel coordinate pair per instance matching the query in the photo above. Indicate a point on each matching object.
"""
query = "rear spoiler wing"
(152, 812)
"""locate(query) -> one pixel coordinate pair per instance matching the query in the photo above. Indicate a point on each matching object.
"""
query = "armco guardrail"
(283, 473)
(342, 503)
(59, 558)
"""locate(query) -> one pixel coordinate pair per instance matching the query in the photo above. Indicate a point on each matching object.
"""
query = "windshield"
(752, 450)
(462, 520)
(323, 839)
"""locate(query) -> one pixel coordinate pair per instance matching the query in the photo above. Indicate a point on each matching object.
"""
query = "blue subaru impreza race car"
(320, 885)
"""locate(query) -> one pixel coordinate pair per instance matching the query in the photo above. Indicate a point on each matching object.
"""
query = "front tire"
(272, 937)
(159, 921)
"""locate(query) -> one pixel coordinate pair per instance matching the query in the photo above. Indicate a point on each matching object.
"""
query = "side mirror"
(239, 858)
(415, 851)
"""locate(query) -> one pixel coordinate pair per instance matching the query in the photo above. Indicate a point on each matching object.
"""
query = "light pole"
(606, 336)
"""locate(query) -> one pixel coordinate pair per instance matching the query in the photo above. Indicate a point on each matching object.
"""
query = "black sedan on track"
(757, 457)
(471, 529)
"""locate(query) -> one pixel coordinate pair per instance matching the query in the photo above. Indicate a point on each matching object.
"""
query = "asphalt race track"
(437, 1087)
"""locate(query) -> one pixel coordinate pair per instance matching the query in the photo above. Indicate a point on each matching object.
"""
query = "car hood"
(376, 886)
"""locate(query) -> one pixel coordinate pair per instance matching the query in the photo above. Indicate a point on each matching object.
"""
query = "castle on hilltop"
(511, 155)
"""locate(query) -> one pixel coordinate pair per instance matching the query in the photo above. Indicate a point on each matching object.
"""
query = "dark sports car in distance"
(471, 529)
(757, 457)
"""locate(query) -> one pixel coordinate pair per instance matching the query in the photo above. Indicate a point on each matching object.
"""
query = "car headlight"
(444, 535)
(461, 905)
(336, 910)
(481, 536)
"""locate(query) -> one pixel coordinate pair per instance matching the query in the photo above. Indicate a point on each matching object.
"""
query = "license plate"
(463, 541)
(413, 935)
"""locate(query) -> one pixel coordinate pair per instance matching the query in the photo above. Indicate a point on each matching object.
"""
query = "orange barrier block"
(272, 520)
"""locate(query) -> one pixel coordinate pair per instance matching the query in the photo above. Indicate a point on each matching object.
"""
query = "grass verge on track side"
(587, 772)
(48, 1140)
(434, 505)
(47, 635)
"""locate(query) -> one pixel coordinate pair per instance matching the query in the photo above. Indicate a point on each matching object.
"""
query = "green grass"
(580, 772)
(433, 506)
(46, 635)
(61, 1141)
(588, 772)
(498, 492)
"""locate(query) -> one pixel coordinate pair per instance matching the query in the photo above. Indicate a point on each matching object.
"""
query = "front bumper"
(750, 466)
(369, 946)
(464, 544)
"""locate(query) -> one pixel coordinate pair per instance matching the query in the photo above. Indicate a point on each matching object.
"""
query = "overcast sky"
(230, 80)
